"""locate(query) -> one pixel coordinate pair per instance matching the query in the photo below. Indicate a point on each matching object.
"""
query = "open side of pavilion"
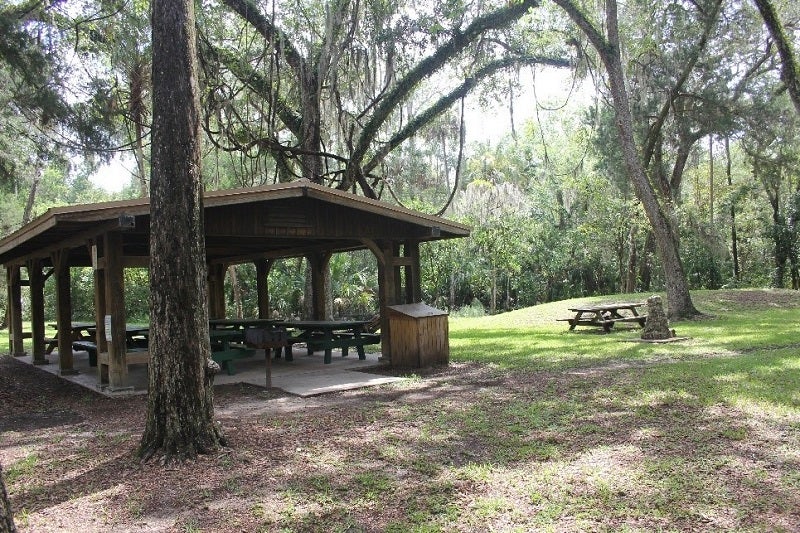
(258, 225)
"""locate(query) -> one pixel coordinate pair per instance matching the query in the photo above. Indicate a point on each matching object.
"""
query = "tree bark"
(236, 288)
(180, 409)
(790, 72)
(28, 213)
(311, 73)
(679, 300)
(633, 258)
(6, 514)
(734, 238)
(138, 113)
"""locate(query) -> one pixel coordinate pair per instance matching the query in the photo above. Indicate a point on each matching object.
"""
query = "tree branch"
(655, 130)
(446, 101)
(495, 20)
(249, 12)
(256, 81)
(790, 73)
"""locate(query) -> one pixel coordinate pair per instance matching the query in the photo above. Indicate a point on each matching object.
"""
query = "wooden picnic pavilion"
(258, 225)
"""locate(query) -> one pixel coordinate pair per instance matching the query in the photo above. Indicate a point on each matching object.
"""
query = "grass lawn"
(531, 428)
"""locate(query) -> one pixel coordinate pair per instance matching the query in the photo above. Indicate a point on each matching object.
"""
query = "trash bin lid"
(417, 310)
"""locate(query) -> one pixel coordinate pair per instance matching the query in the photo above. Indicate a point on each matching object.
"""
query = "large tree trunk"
(6, 515)
(678, 297)
(180, 409)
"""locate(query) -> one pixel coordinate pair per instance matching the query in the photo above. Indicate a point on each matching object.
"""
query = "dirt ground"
(469, 447)
(88, 478)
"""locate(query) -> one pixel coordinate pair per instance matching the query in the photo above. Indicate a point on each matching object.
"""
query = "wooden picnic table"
(78, 331)
(606, 315)
(240, 323)
(227, 346)
(83, 336)
(328, 334)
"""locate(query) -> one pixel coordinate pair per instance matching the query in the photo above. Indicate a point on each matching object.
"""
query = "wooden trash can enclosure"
(419, 335)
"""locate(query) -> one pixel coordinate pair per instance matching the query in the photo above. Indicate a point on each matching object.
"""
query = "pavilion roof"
(271, 221)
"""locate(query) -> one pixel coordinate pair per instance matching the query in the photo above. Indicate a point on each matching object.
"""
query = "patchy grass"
(531, 428)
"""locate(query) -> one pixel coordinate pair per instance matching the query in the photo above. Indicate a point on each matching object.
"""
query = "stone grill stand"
(657, 325)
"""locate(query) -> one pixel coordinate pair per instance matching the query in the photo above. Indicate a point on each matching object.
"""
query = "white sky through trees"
(486, 124)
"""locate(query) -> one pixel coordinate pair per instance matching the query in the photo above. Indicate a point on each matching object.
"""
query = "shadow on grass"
(711, 443)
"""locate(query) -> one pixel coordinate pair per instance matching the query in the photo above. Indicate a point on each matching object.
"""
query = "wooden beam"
(36, 277)
(115, 312)
(376, 250)
(320, 281)
(100, 312)
(15, 339)
(412, 273)
(74, 241)
(398, 274)
(216, 290)
(60, 259)
(285, 253)
(263, 266)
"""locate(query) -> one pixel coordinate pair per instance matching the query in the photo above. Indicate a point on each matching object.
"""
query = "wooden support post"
(115, 308)
(216, 290)
(263, 266)
(60, 260)
(100, 311)
(320, 282)
(388, 293)
(398, 274)
(36, 278)
(15, 339)
(412, 273)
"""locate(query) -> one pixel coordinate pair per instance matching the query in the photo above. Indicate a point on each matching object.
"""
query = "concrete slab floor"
(304, 376)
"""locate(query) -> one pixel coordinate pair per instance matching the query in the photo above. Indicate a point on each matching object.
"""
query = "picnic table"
(226, 347)
(606, 315)
(239, 323)
(328, 334)
(78, 331)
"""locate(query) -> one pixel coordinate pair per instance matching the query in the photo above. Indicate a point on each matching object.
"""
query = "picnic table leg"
(359, 344)
(574, 321)
(328, 337)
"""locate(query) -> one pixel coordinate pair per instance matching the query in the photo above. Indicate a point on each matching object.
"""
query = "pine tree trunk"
(6, 514)
(28, 213)
(180, 410)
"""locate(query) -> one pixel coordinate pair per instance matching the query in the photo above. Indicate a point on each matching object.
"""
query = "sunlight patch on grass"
(24, 467)
(661, 398)
(474, 472)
